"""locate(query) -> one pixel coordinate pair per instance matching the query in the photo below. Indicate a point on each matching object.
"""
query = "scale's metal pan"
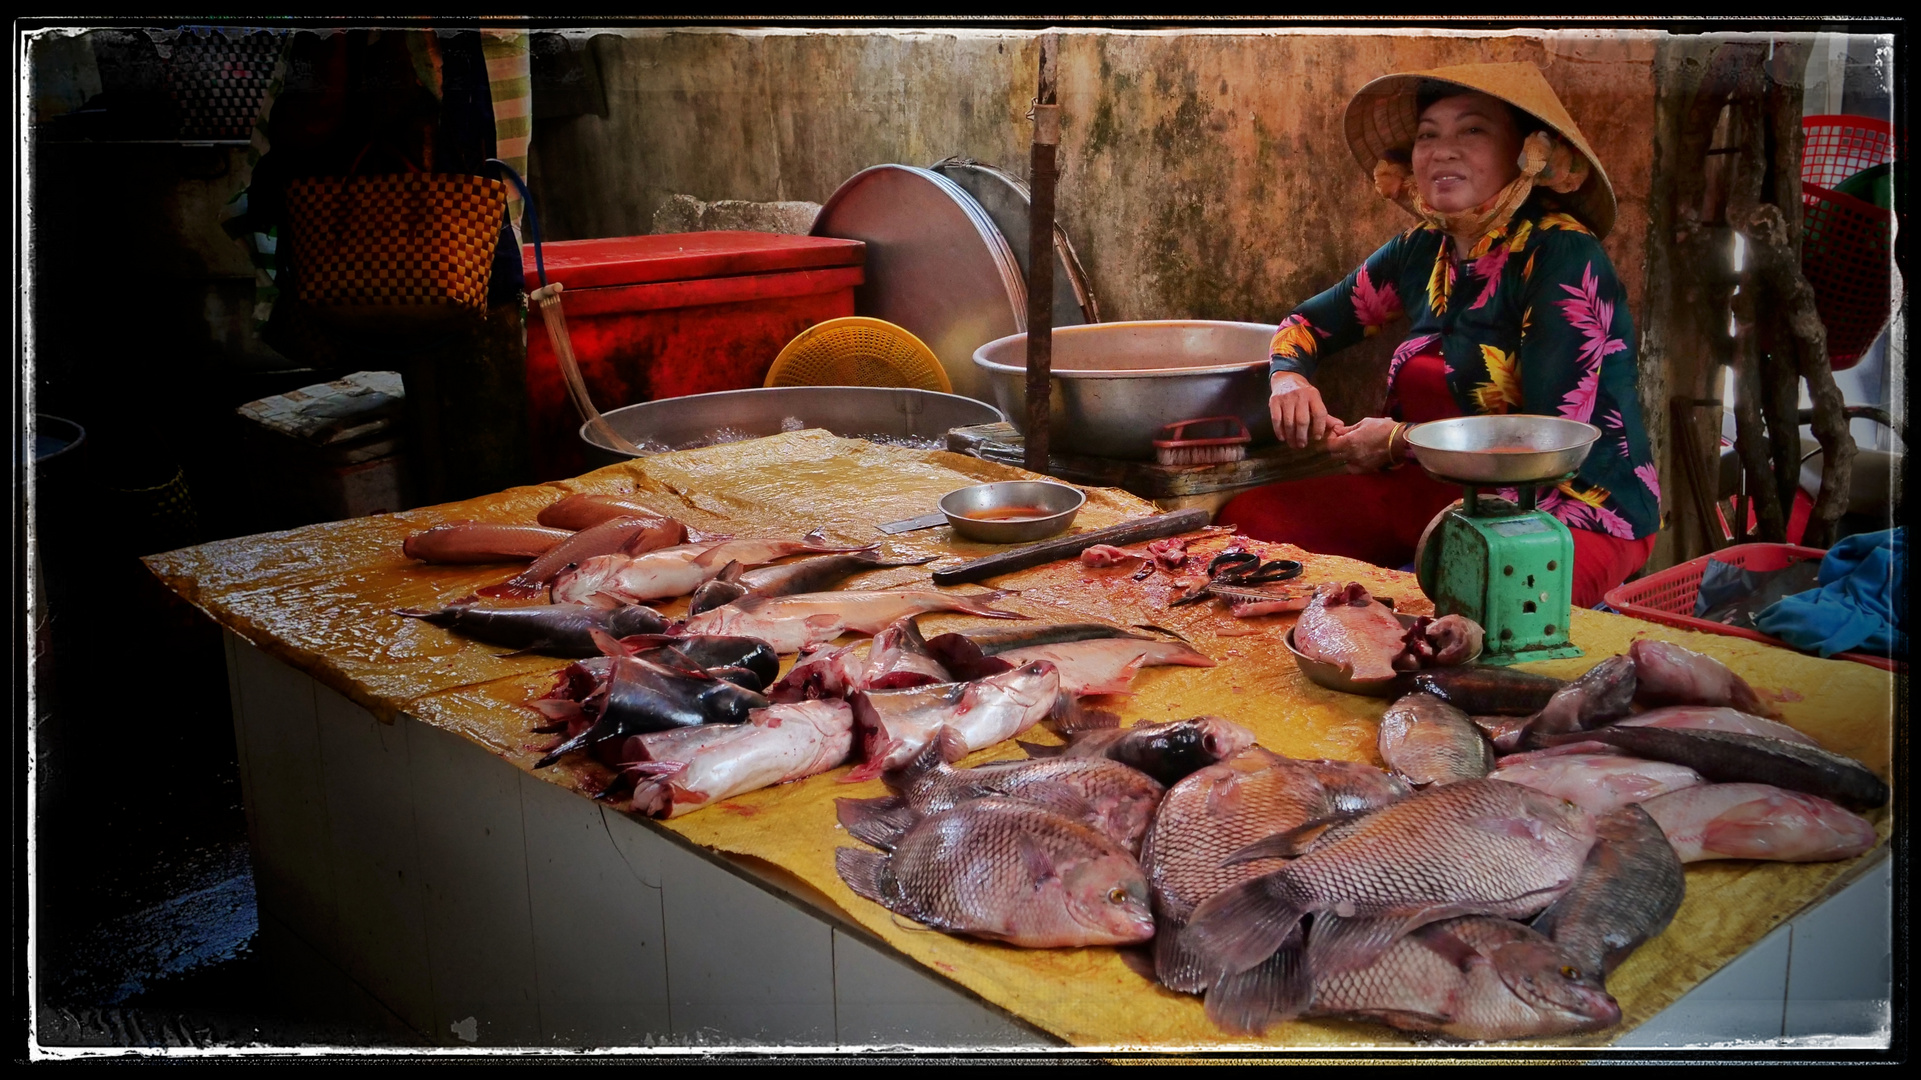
(935, 264)
(1501, 449)
(1008, 202)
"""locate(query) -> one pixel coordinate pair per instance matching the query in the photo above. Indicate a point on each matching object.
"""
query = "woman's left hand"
(1362, 447)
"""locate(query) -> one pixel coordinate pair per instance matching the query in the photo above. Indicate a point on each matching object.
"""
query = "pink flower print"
(1488, 267)
(1612, 523)
(1614, 420)
(1651, 478)
(1408, 350)
(1372, 306)
(1592, 316)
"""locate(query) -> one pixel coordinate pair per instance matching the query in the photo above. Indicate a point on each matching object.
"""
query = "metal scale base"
(1509, 568)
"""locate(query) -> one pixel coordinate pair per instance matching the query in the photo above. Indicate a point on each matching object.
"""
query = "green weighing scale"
(1506, 565)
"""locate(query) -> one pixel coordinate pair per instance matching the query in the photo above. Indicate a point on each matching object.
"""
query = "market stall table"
(400, 832)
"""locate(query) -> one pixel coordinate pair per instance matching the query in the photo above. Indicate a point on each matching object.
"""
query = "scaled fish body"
(1007, 870)
(1671, 675)
(1726, 757)
(1349, 628)
(1166, 751)
(1758, 821)
(1710, 718)
(896, 725)
(482, 542)
(1484, 691)
(775, 745)
(794, 623)
(554, 629)
(1473, 978)
(1627, 893)
(615, 538)
(1427, 741)
(1597, 783)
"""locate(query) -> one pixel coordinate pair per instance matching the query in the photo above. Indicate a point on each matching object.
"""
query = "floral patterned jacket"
(1534, 321)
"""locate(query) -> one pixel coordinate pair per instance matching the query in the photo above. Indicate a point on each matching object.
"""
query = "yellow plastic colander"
(858, 351)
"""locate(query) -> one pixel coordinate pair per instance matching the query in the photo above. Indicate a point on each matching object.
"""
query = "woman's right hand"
(1300, 417)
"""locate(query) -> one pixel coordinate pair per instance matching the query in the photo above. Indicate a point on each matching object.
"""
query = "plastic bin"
(666, 316)
(1668, 597)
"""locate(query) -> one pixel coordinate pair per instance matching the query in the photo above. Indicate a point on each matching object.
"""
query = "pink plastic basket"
(1668, 596)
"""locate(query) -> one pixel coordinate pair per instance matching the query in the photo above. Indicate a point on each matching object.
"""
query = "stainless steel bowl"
(1116, 384)
(1501, 449)
(1062, 501)
(1340, 678)
(879, 413)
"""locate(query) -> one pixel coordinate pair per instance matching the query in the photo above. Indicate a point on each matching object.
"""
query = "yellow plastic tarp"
(322, 599)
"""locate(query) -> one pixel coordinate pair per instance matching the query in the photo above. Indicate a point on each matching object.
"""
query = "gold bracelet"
(1400, 429)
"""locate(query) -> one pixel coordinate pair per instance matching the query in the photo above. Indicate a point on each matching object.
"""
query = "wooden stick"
(1068, 547)
(1040, 260)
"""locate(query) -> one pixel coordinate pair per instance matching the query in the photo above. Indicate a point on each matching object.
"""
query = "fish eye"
(1117, 895)
(1569, 971)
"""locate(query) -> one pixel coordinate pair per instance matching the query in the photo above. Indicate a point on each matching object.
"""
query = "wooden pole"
(1040, 263)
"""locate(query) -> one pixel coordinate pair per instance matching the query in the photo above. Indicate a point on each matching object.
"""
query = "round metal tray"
(1064, 501)
(1008, 201)
(936, 264)
(1337, 677)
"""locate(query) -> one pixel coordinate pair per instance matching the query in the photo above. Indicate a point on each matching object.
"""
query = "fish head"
(1553, 985)
(1221, 738)
(1030, 684)
(1107, 896)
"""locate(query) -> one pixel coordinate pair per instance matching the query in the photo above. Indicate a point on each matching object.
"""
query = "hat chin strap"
(1544, 160)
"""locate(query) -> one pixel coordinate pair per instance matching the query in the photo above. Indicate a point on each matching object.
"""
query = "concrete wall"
(1204, 174)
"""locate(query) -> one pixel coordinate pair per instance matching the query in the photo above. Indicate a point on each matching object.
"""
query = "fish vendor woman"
(1514, 307)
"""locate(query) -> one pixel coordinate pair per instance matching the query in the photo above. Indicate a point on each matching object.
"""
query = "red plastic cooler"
(665, 316)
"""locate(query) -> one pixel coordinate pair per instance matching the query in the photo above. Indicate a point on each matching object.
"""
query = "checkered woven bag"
(413, 239)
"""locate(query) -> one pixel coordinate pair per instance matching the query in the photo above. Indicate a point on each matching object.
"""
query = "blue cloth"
(1861, 604)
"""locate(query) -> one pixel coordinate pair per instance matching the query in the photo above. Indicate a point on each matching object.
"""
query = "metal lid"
(936, 264)
(1006, 199)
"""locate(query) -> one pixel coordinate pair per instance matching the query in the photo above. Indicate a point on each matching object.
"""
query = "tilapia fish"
(1166, 751)
(1006, 870)
(1349, 628)
(615, 538)
(1476, 847)
(482, 542)
(642, 696)
(793, 623)
(1627, 893)
(1710, 718)
(1103, 794)
(1473, 978)
(807, 575)
(1598, 783)
(775, 745)
(672, 571)
(1671, 675)
(554, 629)
(1758, 821)
(1484, 691)
(1601, 696)
(895, 725)
(1727, 757)
(1427, 741)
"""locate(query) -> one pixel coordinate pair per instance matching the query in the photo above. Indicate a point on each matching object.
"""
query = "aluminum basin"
(1116, 384)
(880, 413)
(1512, 449)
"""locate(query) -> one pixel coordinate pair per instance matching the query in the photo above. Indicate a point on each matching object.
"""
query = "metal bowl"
(1501, 449)
(1338, 677)
(1062, 501)
(1115, 385)
(878, 413)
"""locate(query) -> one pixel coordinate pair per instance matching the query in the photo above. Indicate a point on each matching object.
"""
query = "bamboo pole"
(1040, 263)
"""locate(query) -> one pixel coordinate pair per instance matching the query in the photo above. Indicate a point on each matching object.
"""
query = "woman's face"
(1465, 151)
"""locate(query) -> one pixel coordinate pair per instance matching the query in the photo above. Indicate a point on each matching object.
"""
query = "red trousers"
(1378, 517)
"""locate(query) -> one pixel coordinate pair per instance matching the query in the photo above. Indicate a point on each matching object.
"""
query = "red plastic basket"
(1837, 147)
(1846, 252)
(1668, 596)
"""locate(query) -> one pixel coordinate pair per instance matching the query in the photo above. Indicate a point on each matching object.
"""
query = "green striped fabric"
(512, 88)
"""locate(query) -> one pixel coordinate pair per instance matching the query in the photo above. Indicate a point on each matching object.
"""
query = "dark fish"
(1627, 893)
(714, 651)
(643, 696)
(1725, 757)
(807, 575)
(1166, 751)
(1427, 741)
(553, 629)
(1006, 870)
(482, 542)
(716, 593)
(1602, 696)
(1483, 691)
(1473, 847)
(1670, 675)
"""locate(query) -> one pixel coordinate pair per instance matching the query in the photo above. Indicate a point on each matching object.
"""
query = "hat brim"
(1381, 121)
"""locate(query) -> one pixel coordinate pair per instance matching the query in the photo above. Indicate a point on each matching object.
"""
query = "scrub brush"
(1211, 440)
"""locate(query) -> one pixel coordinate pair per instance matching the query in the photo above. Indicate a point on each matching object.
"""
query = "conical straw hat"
(1382, 118)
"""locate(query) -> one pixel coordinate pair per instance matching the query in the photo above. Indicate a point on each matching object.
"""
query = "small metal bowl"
(1513, 449)
(1059, 500)
(1338, 677)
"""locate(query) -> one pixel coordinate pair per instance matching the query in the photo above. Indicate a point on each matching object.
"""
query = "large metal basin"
(881, 413)
(1116, 384)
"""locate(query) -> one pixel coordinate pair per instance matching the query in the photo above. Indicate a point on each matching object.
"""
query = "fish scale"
(1121, 799)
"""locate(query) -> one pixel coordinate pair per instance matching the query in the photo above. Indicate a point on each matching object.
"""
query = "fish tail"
(414, 612)
(947, 746)
(861, 870)
(1240, 927)
(1274, 990)
(880, 822)
(977, 604)
(1072, 715)
(1175, 964)
(1038, 750)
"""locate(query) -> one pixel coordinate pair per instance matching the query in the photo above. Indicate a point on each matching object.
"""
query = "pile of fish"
(1342, 625)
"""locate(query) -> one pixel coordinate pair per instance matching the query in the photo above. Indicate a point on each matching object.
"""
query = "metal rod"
(1040, 263)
